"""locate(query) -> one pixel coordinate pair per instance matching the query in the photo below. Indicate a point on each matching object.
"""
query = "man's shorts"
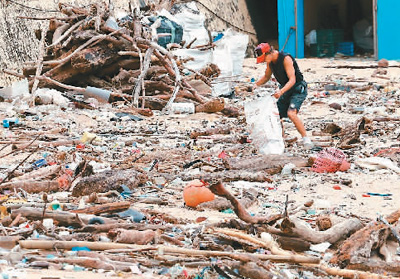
(293, 99)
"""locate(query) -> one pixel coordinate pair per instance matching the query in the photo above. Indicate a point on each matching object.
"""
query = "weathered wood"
(350, 274)
(220, 203)
(91, 59)
(219, 189)
(99, 228)
(350, 135)
(52, 244)
(261, 162)
(32, 186)
(359, 246)
(211, 131)
(63, 218)
(104, 208)
(107, 181)
(253, 271)
(39, 174)
(295, 227)
(212, 106)
(245, 257)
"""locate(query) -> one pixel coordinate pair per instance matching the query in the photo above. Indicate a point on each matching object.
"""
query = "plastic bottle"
(182, 108)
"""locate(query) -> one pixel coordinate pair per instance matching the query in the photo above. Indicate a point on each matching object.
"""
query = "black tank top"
(278, 69)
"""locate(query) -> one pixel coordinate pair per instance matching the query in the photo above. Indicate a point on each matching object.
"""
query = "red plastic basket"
(328, 160)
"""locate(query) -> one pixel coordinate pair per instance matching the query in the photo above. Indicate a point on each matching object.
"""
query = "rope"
(224, 20)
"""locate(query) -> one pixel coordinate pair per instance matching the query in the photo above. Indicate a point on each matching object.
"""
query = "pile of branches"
(86, 49)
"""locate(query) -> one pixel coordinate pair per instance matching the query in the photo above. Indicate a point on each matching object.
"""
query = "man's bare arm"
(265, 78)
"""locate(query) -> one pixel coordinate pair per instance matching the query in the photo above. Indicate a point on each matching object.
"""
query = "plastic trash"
(287, 169)
(39, 163)
(181, 108)
(126, 192)
(134, 215)
(48, 223)
(101, 95)
(328, 160)
(9, 122)
(262, 117)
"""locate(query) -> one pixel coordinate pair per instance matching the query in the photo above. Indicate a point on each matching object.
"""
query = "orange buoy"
(196, 192)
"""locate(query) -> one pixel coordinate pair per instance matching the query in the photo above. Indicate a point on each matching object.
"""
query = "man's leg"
(292, 114)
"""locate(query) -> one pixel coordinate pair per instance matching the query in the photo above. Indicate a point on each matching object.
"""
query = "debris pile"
(127, 192)
(89, 52)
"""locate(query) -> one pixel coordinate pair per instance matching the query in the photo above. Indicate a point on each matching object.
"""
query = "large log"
(262, 162)
(62, 218)
(104, 208)
(91, 59)
(359, 246)
(107, 181)
(32, 186)
(298, 228)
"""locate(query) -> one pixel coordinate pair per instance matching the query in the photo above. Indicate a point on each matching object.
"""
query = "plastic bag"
(262, 117)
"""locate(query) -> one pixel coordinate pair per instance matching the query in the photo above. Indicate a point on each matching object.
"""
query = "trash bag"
(262, 117)
(168, 26)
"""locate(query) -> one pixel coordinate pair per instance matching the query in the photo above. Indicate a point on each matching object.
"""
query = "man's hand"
(277, 94)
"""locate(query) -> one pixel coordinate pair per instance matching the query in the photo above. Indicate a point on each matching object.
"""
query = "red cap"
(260, 52)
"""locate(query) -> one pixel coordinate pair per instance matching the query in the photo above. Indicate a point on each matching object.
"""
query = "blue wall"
(287, 19)
(388, 32)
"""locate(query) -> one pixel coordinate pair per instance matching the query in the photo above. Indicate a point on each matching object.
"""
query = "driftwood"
(254, 271)
(350, 136)
(220, 203)
(233, 175)
(350, 274)
(104, 208)
(95, 246)
(82, 51)
(99, 228)
(262, 162)
(107, 181)
(298, 228)
(245, 257)
(88, 262)
(219, 189)
(39, 174)
(32, 186)
(359, 247)
(266, 240)
(62, 218)
(290, 226)
(212, 131)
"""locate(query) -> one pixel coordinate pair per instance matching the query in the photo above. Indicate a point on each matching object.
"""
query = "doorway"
(339, 26)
